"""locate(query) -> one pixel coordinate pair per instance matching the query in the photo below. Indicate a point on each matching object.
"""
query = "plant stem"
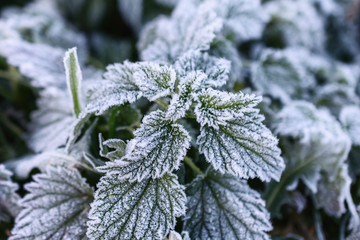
(193, 166)
(161, 103)
(112, 123)
(190, 115)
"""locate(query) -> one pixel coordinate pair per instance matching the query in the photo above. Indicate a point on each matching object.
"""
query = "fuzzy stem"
(161, 103)
(193, 166)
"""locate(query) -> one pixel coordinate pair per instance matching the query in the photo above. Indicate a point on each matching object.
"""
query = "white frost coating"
(281, 73)
(312, 158)
(298, 22)
(216, 69)
(301, 119)
(188, 28)
(117, 144)
(117, 88)
(158, 147)
(176, 236)
(145, 210)
(42, 63)
(55, 207)
(225, 207)
(243, 19)
(215, 107)
(53, 122)
(332, 194)
(153, 80)
(9, 199)
(350, 119)
(233, 137)
(182, 101)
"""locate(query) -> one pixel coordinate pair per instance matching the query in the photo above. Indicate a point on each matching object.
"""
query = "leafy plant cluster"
(191, 119)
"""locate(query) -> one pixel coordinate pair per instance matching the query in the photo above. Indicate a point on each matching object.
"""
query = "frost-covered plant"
(236, 113)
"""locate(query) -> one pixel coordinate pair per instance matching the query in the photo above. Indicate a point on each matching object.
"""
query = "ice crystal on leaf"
(225, 207)
(9, 199)
(233, 137)
(138, 210)
(188, 28)
(55, 207)
(350, 119)
(216, 69)
(158, 147)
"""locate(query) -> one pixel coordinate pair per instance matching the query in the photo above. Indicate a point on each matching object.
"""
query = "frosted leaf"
(53, 122)
(301, 119)
(182, 101)
(117, 88)
(176, 236)
(158, 147)
(188, 28)
(55, 207)
(243, 19)
(42, 63)
(233, 137)
(138, 210)
(335, 96)
(73, 78)
(225, 207)
(216, 69)
(9, 206)
(153, 80)
(281, 74)
(117, 144)
(224, 48)
(332, 194)
(216, 107)
(350, 119)
(307, 162)
(295, 23)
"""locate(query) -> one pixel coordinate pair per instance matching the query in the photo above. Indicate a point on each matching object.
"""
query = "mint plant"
(230, 119)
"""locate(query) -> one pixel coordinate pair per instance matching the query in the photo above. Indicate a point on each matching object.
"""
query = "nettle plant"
(237, 114)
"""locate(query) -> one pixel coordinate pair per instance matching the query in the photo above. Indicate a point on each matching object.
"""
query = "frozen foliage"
(55, 207)
(188, 28)
(176, 236)
(117, 144)
(118, 87)
(350, 119)
(9, 199)
(233, 137)
(281, 74)
(225, 207)
(332, 193)
(302, 120)
(158, 147)
(145, 210)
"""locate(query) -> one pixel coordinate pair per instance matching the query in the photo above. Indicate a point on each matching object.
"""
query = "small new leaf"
(55, 207)
(73, 78)
(144, 210)
(158, 147)
(225, 207)
(233, 137)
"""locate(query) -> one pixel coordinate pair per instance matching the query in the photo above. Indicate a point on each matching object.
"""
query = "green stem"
(112, 124)
(318, 225)
(190, 115)
(193, 166)
(162, 103)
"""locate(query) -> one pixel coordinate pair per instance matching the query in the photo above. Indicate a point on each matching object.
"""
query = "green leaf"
(55, 207)
(225, 207)
(73, 78)
(158, 147)
(233, 137)
(138, 210)
(9, 199)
